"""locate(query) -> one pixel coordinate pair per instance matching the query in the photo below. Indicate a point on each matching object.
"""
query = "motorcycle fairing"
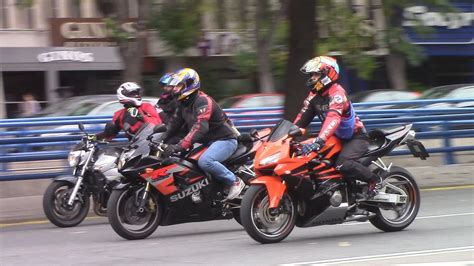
(275, 187)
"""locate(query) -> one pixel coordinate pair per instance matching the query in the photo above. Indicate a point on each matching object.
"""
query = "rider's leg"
(210, 162)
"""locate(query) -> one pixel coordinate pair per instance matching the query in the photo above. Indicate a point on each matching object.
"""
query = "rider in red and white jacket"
(134, 114)
(328, 100)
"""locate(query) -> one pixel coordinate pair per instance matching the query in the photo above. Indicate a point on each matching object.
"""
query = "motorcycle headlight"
(123, 158)
(74, 158)
(270, 159)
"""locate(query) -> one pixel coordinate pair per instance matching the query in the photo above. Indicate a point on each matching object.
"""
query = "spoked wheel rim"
(132, 218)
(399, 213)
(60, 207)
(272, 223)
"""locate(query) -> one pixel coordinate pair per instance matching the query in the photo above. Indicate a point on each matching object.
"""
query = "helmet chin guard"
(324, 65)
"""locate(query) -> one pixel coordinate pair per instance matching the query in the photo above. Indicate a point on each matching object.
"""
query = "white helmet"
(130, 93)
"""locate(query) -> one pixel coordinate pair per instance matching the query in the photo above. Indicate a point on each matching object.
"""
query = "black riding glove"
(315, 146)
(172, 149)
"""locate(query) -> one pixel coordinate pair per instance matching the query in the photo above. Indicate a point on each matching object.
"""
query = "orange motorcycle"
(306, 190)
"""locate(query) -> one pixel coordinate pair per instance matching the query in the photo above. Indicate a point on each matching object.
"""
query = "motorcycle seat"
(241, 150)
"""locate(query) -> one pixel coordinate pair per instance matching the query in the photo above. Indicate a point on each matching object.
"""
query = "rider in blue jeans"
(207, 124)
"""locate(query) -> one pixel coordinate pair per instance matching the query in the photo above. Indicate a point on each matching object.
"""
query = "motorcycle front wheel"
(396, 217)
(128, 219)
(57, 210)
(263, 224)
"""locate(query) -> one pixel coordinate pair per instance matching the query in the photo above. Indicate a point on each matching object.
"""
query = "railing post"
(448, 157)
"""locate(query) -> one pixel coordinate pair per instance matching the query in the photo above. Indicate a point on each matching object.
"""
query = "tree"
(176, 26)
(302, 14)
(131, 47)
(400, 49)
(263, 55)
(266, 22)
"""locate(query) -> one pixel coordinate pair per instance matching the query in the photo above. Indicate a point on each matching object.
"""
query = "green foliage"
(413, 53)
(178, 23)
(114, 29)
(396, 37)
(24, 3)
(246, 60)
(348, 35)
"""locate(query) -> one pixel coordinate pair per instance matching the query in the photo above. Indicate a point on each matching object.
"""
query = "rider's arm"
(307, 113)
(202, 110)
(151, 113)
(111, 128)
(175, 123)
(337, 101)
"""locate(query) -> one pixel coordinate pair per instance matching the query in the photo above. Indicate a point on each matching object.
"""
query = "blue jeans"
(211, 159)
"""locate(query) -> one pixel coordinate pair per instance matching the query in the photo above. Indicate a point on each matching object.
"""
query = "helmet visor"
(132, 93)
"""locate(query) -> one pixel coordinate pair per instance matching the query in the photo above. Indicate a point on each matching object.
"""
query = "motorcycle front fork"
(75, 190)
(142, 200)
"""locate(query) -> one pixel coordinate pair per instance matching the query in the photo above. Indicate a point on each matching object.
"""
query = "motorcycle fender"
(68, 178)
(275, 188)
(121, 186)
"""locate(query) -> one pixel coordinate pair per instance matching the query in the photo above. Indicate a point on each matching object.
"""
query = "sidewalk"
(29, 207)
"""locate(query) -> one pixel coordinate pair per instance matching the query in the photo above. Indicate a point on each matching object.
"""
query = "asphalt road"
(442, 233)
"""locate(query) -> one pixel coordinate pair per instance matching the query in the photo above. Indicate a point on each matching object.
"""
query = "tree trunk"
(302, 14)
(264, 35)
(133, 49)
(265, 77)
(396, 72)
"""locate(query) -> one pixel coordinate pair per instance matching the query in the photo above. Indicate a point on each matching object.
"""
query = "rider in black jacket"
(207, 124)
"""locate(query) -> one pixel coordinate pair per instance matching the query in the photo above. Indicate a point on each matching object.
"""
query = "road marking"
(39, 222)
(444, 215)
(447, 188)
(95, 217)
(386, 256)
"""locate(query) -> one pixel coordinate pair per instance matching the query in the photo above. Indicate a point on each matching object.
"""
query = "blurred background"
(390, 50)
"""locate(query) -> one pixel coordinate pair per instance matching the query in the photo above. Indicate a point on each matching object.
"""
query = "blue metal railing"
(23, 140)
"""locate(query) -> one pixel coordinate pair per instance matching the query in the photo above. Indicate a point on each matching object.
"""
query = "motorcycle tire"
(257, 196)
(123, 214)
(54, 205)
(401, 178)
(236, 214)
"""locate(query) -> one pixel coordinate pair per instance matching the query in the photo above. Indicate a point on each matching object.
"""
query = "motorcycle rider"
(207, 124)
(328, 100)
(166, 105)
(133, 115)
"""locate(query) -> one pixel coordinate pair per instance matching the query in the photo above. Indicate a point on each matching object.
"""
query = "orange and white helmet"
(326, 66)
(130, 93)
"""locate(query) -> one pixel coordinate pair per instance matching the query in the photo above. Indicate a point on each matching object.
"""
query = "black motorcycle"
(66, 201)
(164, 191)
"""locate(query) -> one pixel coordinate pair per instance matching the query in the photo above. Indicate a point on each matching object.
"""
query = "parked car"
(84, 106)
(455, 91)
(103, 104)
(256, 100)
(382, 96)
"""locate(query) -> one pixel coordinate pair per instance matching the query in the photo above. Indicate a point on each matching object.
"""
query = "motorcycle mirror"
(295, 132)
(159, 128)
(81, 126)
(253, 132)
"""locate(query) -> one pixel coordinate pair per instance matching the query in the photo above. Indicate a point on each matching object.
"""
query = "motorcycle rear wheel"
(55, 205)
(125, 217)
(259, 221)
(391, 217)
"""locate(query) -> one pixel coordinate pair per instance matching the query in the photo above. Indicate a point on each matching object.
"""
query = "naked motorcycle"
(66, 201)
(165, 191)
(291, 189)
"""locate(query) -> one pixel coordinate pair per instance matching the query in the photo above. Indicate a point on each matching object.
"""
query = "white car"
(91, 105)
